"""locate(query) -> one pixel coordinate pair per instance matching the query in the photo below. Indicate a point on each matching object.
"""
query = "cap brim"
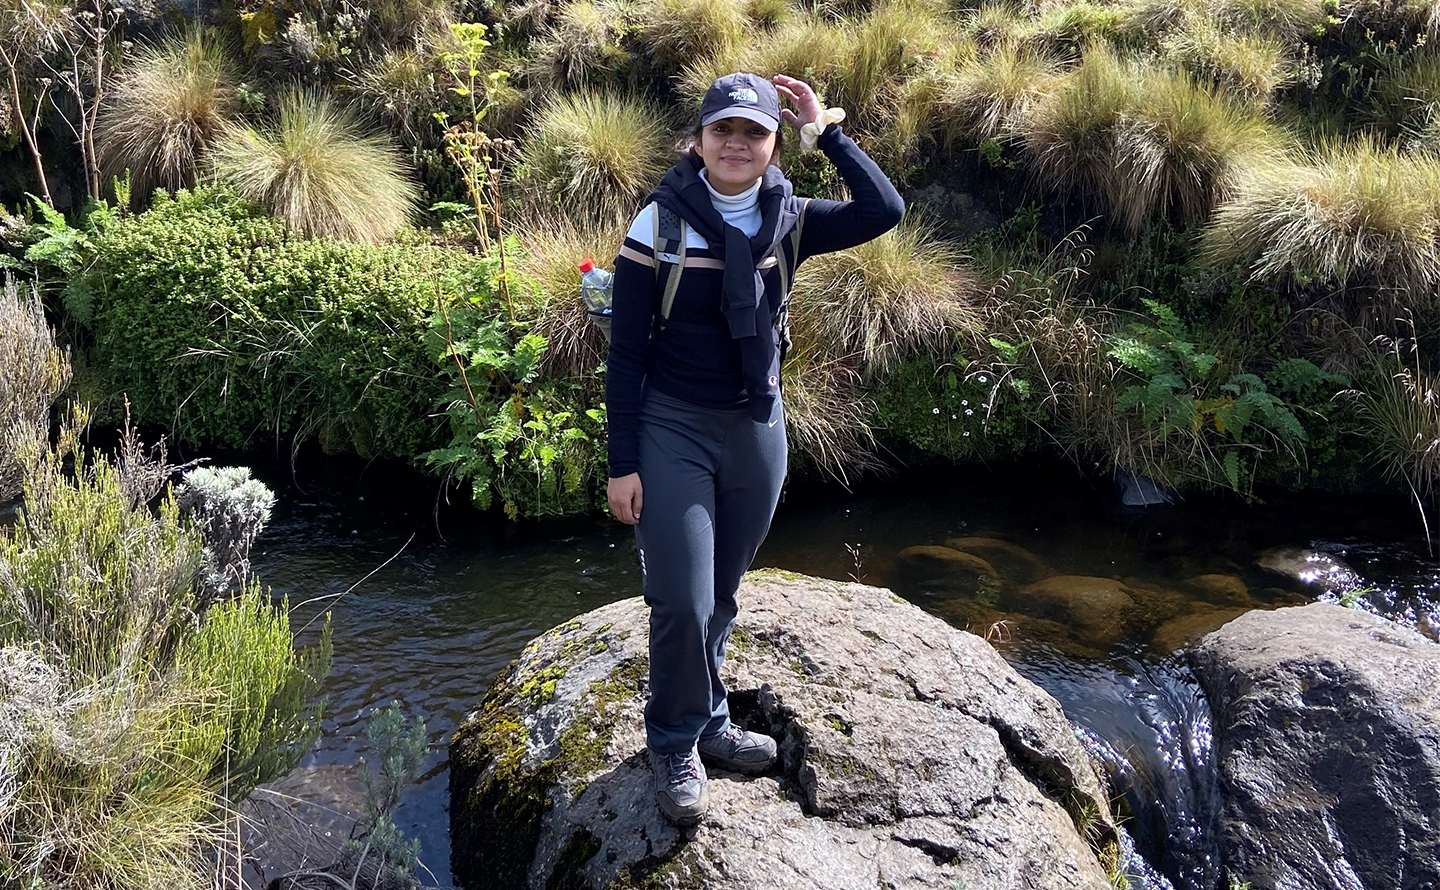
(745, 111)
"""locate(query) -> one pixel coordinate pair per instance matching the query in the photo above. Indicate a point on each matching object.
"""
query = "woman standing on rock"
(697, 432)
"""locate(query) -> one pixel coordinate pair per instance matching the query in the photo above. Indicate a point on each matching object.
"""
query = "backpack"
(669, 241)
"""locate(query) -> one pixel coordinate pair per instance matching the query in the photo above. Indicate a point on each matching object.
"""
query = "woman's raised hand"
(807, 104)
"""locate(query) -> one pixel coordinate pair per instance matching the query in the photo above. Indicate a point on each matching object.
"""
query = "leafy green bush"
(537, 445)
(957, 414)
(225, 329)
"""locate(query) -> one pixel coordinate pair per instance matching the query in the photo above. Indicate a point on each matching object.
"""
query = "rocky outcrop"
(912, 756)
(1327, 730)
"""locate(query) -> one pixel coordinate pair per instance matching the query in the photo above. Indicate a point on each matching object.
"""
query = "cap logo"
(744, 95)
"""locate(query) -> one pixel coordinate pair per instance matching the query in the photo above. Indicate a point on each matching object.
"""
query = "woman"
(697, 435)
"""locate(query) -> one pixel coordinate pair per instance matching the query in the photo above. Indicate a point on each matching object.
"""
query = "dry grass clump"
(553, 246)
(676, 33)
(827, 416)
(33, 372)
(896, 295)
(1254, 66)
(315, 169)
(1361, 212)
(991, 94)
(165, 110)
(993, 23)
(1067, 29)
(1287, 20)
(402, 88)
(1395, 16)
(881, 49)
(1182, 149)
(583, 47)
(597, 154)
(1069, 136)
(1401, 410)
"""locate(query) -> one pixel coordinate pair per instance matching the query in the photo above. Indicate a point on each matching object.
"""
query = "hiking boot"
(739, 750)
(680, 786)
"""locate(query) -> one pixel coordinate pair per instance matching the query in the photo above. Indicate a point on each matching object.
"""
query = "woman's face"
(736, 152)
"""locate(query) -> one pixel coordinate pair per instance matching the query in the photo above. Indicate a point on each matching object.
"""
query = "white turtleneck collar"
(741, 211)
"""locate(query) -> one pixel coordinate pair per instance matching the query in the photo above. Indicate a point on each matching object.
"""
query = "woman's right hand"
(626, 498)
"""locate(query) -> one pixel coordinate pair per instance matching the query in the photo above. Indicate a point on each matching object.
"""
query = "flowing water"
(429, 602)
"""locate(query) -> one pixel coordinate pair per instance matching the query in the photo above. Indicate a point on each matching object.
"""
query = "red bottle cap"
(587, 264)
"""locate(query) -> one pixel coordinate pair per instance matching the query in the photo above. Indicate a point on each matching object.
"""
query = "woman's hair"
(692, 139)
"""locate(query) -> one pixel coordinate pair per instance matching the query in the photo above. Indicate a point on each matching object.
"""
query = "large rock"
(912, 756)
(1098, 608)
(1327, 729)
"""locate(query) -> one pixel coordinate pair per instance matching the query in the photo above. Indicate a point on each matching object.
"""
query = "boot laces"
(681, 767)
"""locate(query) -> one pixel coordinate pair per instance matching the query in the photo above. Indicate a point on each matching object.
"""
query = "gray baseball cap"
(741, 95)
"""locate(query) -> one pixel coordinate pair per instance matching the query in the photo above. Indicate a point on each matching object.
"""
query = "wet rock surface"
(1327, 727)
(912, 755)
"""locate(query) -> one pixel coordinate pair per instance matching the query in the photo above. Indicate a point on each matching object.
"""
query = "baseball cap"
(741, 95)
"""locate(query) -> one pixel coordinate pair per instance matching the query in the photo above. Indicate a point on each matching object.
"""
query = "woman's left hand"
(807, 104)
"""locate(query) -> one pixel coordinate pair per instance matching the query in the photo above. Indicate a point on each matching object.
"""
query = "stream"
(430, 601)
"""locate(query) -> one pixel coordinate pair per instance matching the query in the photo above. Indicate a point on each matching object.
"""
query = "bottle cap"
(587, 264)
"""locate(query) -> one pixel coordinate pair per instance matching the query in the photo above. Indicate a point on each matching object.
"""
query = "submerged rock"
(930, 564)
(1180, 632)
(1098, 608)
(1309, 567)
(1015, 564)
(912, 755)
(1223, 590)
(1327, 729)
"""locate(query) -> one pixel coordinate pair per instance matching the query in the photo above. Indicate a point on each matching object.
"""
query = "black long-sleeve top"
(694, 358)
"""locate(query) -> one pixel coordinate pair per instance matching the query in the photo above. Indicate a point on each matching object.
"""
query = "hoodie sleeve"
(874, 209)
(632, 301)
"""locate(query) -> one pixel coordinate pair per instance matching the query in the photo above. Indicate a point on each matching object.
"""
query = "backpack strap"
(669, 241)
(789, 259)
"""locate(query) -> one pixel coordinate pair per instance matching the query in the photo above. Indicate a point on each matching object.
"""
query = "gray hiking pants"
(710, 480)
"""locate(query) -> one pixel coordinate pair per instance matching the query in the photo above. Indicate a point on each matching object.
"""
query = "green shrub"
(223, 328)
(135, 709)
(958, 412)
(1399, 406)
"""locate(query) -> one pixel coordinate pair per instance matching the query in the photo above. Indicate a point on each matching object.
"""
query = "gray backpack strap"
(669, 241)
(792, 257)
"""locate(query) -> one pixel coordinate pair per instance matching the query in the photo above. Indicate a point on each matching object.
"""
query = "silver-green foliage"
(135, 710)
(230, 509)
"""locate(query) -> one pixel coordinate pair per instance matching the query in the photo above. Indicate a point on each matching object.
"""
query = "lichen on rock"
(912, 755)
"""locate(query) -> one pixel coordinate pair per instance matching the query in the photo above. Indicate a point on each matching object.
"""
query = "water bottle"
(595, 292)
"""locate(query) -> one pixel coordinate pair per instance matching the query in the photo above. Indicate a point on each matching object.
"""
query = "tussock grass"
(881, 49)
(675, 33)
(1250, 65)
(991, 94)
(1287, 20)
(1400, 407)
(1395, 16)
(1182, 150)
(1069, 28)
(165, 110)
(554, 244)
(827, 416)
(582, 48)
(402, 88)
(315, 169)
(1069, 136)
(597, 154)
(1359, 213)
(993, 23)
(899, 294)
(33, 372)
(1403, 98)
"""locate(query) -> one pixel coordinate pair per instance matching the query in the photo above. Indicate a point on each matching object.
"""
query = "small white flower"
(969, 411)
(983, 379)
(966, 433)
(952, 416)
(934, 410)
(964, 401)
